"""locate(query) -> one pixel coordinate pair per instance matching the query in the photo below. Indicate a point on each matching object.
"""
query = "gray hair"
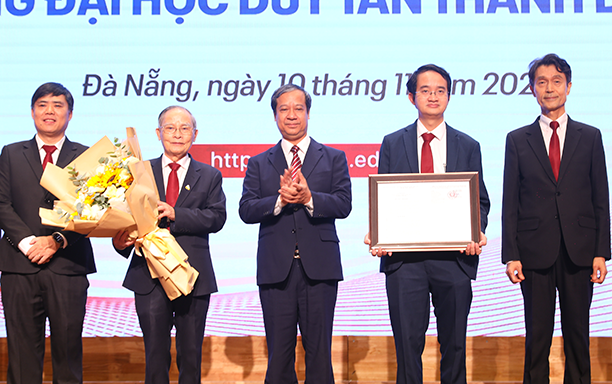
(163, 114)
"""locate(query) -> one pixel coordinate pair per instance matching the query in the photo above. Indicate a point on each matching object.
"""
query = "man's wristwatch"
(58, 238)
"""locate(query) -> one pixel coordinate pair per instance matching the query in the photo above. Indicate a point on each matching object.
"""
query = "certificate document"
(417, 212)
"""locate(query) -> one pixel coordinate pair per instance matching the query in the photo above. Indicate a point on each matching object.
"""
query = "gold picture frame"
(412, 212)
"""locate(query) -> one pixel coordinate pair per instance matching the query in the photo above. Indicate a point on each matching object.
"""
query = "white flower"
(99, 170)
(130, 160)
(112, 192)
(92, 212)
(120, 204)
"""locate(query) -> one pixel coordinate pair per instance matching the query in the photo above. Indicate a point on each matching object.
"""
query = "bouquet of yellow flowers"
(105, 188)
(115, 191)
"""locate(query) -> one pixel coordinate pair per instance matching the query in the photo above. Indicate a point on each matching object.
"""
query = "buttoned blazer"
(326, 173)
(399, 154)
(538, 211)
(199, 211)
(21, 195)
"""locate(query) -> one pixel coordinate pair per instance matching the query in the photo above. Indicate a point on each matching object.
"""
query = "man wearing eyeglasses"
(429, 145)
(192, 206)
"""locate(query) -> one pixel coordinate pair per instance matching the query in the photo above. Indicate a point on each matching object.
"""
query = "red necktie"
(172, 191)
(426, 156)
(48, 157)
(554, 151)
(296, 163)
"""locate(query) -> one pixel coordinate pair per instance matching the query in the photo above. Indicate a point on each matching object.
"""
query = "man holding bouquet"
(44, 270)
(192, 206)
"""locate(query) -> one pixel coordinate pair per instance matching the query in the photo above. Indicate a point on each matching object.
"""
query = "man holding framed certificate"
(429, 145)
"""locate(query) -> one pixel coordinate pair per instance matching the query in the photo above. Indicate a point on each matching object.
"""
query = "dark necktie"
(296, 163)
(48, 157)
(554, 151)
(426, 156)
(172, 191)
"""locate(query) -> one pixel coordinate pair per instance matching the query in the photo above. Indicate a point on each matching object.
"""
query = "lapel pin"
(187, 187)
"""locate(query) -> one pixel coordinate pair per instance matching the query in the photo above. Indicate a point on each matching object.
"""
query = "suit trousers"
(310, 304)
(408, 293)
(539, 296)
(28, 301)
(157, 314)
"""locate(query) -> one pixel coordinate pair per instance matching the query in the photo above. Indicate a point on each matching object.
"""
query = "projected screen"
(126, 60)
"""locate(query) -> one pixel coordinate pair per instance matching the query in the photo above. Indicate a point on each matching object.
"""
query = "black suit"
(58, 289)
(298, 291)
(412, 276)
(199, 210)
(555, 229)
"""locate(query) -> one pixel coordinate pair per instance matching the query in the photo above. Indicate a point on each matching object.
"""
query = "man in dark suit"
(295, 191)
(44, 270)
(412, 276)
(555, 222)
(190, 216)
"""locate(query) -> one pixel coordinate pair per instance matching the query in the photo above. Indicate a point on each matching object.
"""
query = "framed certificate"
(424, 211)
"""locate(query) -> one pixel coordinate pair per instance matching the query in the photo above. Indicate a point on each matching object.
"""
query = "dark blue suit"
(318, 269)
(412, 276)
(199, 210)
(58, 289)
(555, 229)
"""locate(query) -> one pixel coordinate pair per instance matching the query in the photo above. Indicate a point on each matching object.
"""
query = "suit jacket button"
(558, 193)
(293, 231)
(556, 217)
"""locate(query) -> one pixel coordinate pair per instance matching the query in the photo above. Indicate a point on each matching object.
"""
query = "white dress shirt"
(303, 148)
(547, 131)
(43, 153)
(180, 172)
(438, 145)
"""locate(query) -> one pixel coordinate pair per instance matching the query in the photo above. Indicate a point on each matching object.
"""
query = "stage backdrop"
(126, 60)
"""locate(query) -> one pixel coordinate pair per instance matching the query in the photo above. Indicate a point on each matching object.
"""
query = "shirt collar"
(439, 132)
(303, 145)
(184, 162)
(562, 120)
(40, 142)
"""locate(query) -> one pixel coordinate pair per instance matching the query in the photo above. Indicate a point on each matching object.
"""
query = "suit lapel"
(191, 178)
(32, 157)
(536, 142)
(410, 147)
(452, 146)
(276, 157)
(572, 137)
(159, 177)
(67, 154)
(314, 154)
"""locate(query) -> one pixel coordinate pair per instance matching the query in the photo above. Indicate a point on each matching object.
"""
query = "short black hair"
(412, 81)
(550, 59)
(289, 88)
(55, 89)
